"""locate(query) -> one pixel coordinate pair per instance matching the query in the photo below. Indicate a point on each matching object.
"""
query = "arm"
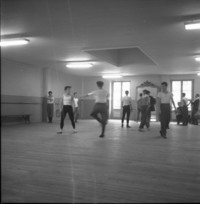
(173, 103)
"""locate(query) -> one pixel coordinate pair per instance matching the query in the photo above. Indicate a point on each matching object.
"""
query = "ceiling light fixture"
(198, 74)
(192, 25)
(5, 43)
(111, 76)
(197, 59)
(79, 65)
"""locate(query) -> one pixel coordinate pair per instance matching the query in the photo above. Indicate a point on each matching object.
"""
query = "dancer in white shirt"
(66, 107)
(127, 107)
(76, 107)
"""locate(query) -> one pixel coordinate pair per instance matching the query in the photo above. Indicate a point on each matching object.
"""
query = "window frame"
(182, 80)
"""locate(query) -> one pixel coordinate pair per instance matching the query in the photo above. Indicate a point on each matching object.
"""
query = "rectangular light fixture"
(5, 43)
(112, 76)
(192, 25)
(198, 74)
(197, 59)
(79, 65)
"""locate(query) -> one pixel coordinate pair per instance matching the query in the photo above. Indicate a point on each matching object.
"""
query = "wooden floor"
(126, 166)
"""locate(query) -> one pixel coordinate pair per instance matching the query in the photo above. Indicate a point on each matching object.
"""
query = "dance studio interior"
(129, 45)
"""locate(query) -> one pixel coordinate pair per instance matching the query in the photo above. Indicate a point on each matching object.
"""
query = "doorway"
(118, 91)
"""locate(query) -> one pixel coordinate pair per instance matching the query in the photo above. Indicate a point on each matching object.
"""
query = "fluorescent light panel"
(5, 43)
(111, 76)
(198, 74)
(197, 58)
(79, 65)
(193, 25)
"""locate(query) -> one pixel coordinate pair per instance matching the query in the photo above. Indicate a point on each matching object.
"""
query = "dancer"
(101, 106)
(139, 105)
(50, 106)
(163, 102)
(195, 108)
(76, 108)
(151, 108)
(145, 105)
(127, 108)
(66, 107)
(184, 105)
(178, 113)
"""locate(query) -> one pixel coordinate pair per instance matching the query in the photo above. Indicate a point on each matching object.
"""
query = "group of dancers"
(146, 104)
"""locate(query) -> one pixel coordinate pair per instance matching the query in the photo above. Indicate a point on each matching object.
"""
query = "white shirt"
(50, 100)
(76, 102)
(67, 100)
(126, 100)
(184, 101)
(165, 97)
(100, 95)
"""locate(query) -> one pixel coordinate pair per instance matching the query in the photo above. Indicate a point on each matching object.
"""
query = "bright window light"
(197, 59)
(79, 65)
(192, 25)
(5, 43)
(111, 76)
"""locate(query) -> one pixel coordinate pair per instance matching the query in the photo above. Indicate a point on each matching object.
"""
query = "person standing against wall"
(127, 108)
(101, 106)
(66, 107)
(50, 106)
(164, 109)
(76, 107)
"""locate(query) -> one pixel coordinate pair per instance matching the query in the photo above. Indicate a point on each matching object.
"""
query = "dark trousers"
(102, 109)
(179, 118)
(148, 117)
(67, 109)
(165, 116)
(185, 115)
(126, 110)
(50, 111)
(144, 113)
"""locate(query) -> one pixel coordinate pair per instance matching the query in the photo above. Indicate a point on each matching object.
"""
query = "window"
(181, 86)
(119, 88)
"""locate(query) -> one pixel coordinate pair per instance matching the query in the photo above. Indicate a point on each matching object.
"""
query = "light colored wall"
(21, 89)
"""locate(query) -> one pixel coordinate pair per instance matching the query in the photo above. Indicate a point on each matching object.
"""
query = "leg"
(95, 112)
(71, 115)
(128, 116)
(63, 115)
(104, 116)
(123, 115)
(143, 117)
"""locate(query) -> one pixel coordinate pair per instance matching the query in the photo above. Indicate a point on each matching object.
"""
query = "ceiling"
(134, 37)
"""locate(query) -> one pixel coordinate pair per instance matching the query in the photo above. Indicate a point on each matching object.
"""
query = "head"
(67, 89)
(127, 92)
(140, 95)
(100, 84)
(148, 92)
(164, 86)
(179, 104)
(197, 95)
(50, 93)
(75, 94)
(145, 91)
(183, 94)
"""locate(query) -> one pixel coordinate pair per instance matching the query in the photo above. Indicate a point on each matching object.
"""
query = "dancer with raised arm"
(101, 106)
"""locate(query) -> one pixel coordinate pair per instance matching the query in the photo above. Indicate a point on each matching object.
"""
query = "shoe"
(74, 131)
(128, 126)
(102, 135)
(163, 134)
(60, 132)
(141, 130)
(122, 125)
